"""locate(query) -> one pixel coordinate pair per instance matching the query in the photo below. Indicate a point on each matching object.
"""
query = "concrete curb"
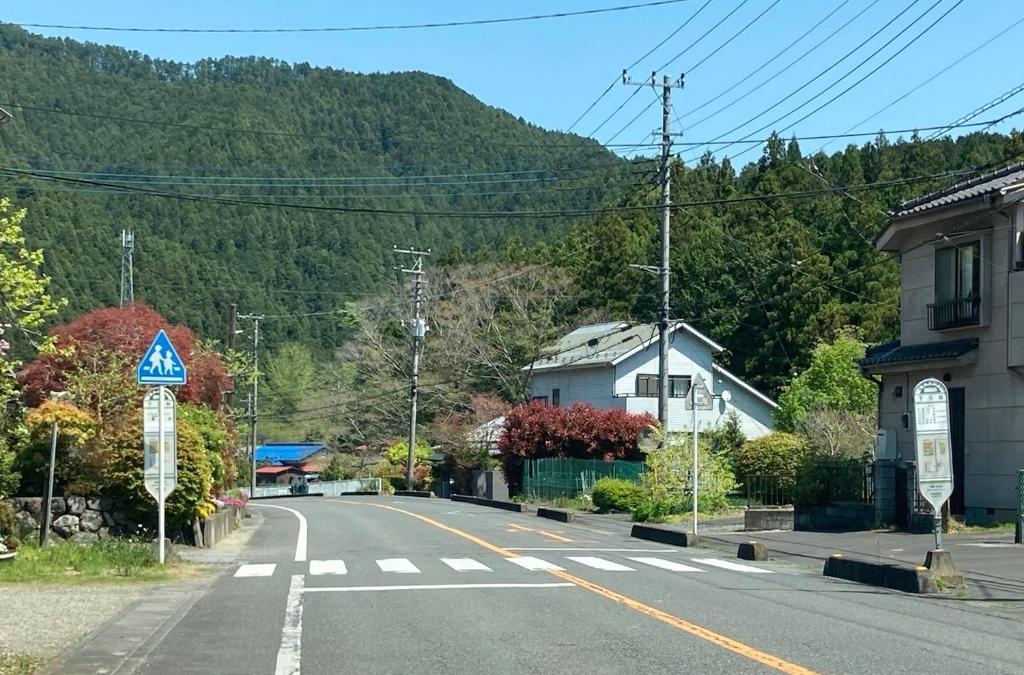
(897, 577)
(560, 515)
(415, 493)
(663, 535)
(311, 494)
(494, 503)
(752, 550)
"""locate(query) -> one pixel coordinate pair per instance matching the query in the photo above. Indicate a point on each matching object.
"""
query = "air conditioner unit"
(886, 444)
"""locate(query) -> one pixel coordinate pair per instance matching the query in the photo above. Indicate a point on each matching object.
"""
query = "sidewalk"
(993, 566)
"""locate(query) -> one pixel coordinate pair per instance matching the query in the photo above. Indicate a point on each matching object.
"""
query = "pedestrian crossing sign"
(161, 364)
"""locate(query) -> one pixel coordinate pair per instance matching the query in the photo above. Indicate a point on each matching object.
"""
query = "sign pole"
(938, 530)
(693, 459)
(160, 474)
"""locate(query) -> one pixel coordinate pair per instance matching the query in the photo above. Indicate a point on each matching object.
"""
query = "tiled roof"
(608, 343)
(893, 352)
(993, 182)
(274, 470)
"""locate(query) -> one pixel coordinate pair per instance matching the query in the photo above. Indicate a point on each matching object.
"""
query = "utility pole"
(254, 406)
(127, 295)
(230, 344)
(418, 329)
(662, 270)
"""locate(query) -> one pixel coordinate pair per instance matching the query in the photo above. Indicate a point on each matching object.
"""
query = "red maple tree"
(126, 330)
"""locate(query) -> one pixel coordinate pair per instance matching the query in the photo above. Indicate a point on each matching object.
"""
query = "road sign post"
(162, 366)
(933, 447)
(699, 399)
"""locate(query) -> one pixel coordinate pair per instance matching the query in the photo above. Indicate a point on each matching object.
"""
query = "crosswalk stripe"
(730, 565)
(534, 564)
(261, 570)
(669, 565)
(600, 564)
(466, 565)
(399, 565)
(321, 567)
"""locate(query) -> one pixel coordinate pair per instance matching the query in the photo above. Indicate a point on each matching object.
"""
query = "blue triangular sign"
(161, 363)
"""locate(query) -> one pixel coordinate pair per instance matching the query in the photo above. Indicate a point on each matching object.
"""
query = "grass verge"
(18, 664)
(111, 560)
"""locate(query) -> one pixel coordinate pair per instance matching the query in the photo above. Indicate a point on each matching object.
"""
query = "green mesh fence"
(552, 477)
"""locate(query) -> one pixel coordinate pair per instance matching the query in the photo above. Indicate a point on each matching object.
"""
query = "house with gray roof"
(961, 321)
(615, 365)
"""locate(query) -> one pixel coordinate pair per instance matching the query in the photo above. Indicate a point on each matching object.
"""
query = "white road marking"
(669, 565)
(987, 544)
(729, 565)
(264, 570)
(301, 545)
(399, 565)
(534, 564)
(321, 567)
(429, 587)
(600, 564)
(289, 655)
(598, 550)
(466, 565)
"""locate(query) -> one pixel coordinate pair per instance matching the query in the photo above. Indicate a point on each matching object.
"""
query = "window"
(647, 385)
(540, 399)
(556, 397)
(957, 287)
(678, 386)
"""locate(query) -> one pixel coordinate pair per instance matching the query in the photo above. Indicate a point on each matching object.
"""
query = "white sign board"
(699, 393)
(932, 441)
(151, 442)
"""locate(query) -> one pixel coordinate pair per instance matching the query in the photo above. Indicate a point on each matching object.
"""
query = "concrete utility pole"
(662, 270)
(418, 331)
(255, 404)
(127, 270)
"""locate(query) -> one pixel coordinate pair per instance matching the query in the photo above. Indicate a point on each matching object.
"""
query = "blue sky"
(549, 71)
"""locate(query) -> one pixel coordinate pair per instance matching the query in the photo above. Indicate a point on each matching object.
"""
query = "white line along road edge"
(289, 656)
(430, 587)
(300, 545)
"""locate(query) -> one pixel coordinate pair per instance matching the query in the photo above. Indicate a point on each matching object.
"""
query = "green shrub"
(616, 494)
(775, 454)
(668, 475)
(6, 519)
(657, 509)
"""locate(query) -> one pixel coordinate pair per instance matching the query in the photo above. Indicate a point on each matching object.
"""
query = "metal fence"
(553, 477)
(334, 488)
(769, 490)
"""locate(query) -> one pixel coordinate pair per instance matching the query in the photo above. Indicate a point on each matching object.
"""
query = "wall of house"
(593, 385)
(993, 393)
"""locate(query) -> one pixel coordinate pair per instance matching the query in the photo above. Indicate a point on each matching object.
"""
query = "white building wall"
(591, 385)
(607, 387)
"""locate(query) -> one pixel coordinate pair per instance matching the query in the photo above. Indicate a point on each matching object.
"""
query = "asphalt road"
(393, 585)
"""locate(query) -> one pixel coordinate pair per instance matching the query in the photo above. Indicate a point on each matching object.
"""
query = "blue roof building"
(288, 453)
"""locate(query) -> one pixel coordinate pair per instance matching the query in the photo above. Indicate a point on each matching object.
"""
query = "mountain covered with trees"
(283, 188)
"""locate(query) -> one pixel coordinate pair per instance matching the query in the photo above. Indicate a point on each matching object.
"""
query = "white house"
(615, 365)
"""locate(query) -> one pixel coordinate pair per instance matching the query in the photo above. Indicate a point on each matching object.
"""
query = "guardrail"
(334, 488)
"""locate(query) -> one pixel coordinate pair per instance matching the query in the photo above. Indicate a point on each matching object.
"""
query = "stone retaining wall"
(81, 519)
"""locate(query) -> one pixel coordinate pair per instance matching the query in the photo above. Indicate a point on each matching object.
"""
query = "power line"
(767, 62)
(785, 68)
(1005, 96)
(876, 68)
(706, 33)
(735, 35)
(821, 74)
(476, 214)
(347, 29)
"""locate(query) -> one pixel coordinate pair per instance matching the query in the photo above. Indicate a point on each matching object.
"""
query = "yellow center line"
(722, 641)
(546, 533)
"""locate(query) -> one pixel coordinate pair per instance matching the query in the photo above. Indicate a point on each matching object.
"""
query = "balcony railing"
(955, 313)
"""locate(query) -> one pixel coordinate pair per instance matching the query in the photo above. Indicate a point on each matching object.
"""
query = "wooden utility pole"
(418, 329)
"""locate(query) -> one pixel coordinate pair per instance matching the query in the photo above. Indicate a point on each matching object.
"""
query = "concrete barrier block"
(752, 550)
(494, 503)
(560, 515)
(664, 535)
(415, 493)
(940, 564)
(904, 578)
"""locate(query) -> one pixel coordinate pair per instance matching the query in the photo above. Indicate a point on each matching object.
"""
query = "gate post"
(1019, 535)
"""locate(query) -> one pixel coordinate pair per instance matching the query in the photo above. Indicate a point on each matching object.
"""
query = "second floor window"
(647, 386)
(958, 272)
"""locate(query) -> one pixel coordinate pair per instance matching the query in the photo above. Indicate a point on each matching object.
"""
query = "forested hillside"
(253, 129)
